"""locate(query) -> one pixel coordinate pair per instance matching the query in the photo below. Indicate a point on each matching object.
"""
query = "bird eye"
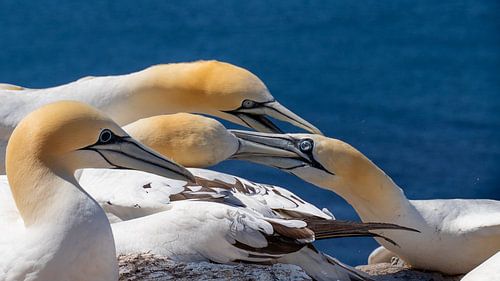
(306, 145)
(105, 136)
(248, 104)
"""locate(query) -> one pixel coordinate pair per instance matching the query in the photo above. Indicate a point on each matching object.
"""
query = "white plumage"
(487, 271)
(51, 229)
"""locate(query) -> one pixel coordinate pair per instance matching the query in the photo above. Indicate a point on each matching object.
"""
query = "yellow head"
(54, 133)
(215, 88)
(190, 140)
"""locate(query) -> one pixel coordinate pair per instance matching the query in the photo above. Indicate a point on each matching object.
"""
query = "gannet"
(60, 233)
(487, 271)
(209, 87)
(222, 228)
(455, 236)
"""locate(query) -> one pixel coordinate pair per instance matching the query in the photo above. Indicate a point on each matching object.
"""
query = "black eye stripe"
(107, 137)
(247, 104)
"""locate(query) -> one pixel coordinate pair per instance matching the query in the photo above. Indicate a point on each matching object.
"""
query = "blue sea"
(415, 85)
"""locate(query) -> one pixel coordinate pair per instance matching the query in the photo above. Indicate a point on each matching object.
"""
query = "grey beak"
(278, 111)
(127, 153)
(275, 150)
(256, 117)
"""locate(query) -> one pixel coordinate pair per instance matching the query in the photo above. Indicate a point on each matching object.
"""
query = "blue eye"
(248, 104)
(105, 136)
(306, 145)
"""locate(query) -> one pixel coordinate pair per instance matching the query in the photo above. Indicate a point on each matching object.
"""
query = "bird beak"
(248, 149)
(127, 153)
(257, 117)
(276, 150)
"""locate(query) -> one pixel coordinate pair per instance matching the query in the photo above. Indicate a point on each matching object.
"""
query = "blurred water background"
(415, 85)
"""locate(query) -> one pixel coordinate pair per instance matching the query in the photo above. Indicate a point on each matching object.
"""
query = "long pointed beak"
(249, 150)
(278, 111)
(257, 118)
(127, 153)
(276, 142)
(276, 150)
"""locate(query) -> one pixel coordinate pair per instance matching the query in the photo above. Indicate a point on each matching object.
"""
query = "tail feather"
(325, 229)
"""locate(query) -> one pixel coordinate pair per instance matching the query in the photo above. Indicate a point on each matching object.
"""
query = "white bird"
(487, 271)
(221, 218)
(209, 87)
(54, 230)
(455, 236)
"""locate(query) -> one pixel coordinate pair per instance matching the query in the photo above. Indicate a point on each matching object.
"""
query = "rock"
(148, 267)
(398, 272)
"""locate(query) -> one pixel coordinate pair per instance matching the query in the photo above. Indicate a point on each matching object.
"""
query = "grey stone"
(398, 272)
(147, 267)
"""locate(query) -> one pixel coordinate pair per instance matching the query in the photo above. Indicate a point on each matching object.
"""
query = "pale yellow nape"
(203, 86)
(190, 140)
(47, 141)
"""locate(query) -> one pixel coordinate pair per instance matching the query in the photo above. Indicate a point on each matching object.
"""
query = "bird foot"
(396, 261)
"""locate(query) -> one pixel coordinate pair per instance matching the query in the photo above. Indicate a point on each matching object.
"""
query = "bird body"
(488, 270)
(200, 231)
(465, 232)
(74, 242)
(207, 231)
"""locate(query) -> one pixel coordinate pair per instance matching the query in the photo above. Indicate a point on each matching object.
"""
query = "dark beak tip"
(277, 131)
(185, 175)
(191, 179)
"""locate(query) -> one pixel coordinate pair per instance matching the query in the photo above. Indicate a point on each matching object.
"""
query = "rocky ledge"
(390, 272)
(147, 267)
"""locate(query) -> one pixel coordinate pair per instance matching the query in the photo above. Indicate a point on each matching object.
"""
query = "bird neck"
(176, 87)
(46, 195)
(127, 98)
(65, 224)
(374, 195)
(157, 90)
